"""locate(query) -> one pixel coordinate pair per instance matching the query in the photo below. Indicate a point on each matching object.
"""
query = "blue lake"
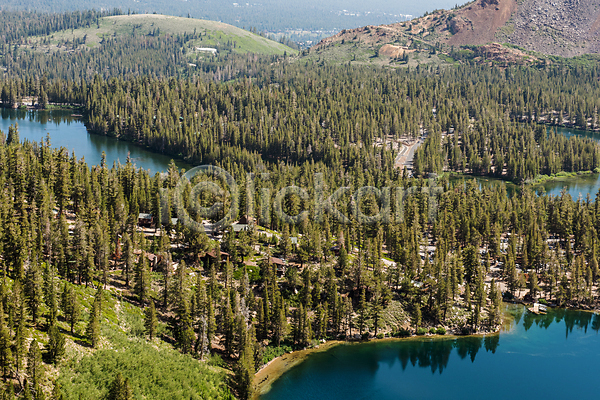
(70, 132)
(536, 357)
(579, 186)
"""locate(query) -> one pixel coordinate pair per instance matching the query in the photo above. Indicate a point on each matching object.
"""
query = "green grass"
(214, 34)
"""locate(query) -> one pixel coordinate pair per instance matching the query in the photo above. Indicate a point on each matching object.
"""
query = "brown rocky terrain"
(560, 27)
(556, 27)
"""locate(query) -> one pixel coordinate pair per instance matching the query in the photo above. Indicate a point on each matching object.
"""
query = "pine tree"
(13, 135)
(6, 358)
(92, 331)
(297, 326)
(417, 316)
(167, 272)
(70, 306)
(362, 311)
(98, 299)
(150, 320)
(51, 296)
(533, 284)
(285, 243)
(202, 342)
(279, 320)
(307, 333)
(57, 392)
(244, 371)
(35, 370)
(211, 323)
(20, 348)
(128, 255)
(34, 291)
(228, 326)
(120, 389)
(142, 279)
(56, 344)
(495, 301)
(343, 260)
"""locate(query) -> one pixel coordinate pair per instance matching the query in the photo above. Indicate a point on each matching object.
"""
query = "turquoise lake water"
(70, 132)
(579, 186)
(555, 356)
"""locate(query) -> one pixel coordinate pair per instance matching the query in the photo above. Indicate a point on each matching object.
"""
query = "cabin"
(239, 227)
(246, 220)
(211, 257)
(145, 220)
(210, 50)
(280, 265)
(244, 224)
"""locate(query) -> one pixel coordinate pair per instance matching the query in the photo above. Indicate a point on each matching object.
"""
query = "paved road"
(406, 155)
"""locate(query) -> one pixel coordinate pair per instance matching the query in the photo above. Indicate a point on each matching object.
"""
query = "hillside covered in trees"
(107, 284)
(80, 45)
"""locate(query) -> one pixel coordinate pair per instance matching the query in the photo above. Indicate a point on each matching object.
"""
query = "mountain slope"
(564, 27)
(214, 34)
(556, 27)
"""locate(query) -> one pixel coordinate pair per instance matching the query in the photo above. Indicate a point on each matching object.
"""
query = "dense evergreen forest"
(91, 283)
(478, 120)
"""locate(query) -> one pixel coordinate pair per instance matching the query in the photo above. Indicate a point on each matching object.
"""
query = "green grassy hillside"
(214, 34)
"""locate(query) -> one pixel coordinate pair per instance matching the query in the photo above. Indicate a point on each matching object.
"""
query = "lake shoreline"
(275, 368)
(539, 180)
(278, 366)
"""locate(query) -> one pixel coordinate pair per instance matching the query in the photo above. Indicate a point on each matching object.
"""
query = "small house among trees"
(211, 256)
(145, 220)
(280, 265)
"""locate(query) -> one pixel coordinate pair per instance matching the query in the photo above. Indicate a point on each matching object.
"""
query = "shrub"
(152, 372)
(432, 330)
(215, 360)
(440, 331)
(402, 333)
(543, 301)
(380, 336)
(271, 352)
(365, 336)
(422, 331)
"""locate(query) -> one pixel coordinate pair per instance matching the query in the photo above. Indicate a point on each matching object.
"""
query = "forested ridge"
(478, 120)
(68, 228)
(28, 47)
(88, 284)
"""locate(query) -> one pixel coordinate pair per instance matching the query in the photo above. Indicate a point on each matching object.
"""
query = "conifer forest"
(109, 289)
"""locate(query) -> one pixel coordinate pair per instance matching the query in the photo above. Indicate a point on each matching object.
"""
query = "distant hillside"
(217, 35)
(300, 21)
(563, 28)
